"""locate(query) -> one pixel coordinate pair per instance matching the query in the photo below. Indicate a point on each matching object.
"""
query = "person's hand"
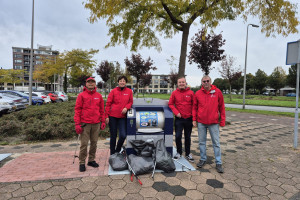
(107, 121)
(78, 129)
(178, 115)
(194, 123)
(103, 126)
(124, 110)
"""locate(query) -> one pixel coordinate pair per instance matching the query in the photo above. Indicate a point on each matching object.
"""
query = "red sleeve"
(222, 109)
(171, 104)
(195, 107)
(109, 101)
(130, 102)
(78, 109)
(101, 110)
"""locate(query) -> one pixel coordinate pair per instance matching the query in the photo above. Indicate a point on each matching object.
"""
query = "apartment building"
(21, 60)
(159, 84)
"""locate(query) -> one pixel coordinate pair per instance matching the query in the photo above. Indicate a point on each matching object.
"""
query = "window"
(38, 62)
(18, 67)
(155, 81)
(26, 63)
(38, 57)
(18, 61)
(155, 86)
(18, 55)
(18, 50)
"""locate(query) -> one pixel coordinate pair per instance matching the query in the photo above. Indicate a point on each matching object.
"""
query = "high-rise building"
(21, 60)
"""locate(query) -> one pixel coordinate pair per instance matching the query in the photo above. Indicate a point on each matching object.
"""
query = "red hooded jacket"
(117, 100)
(89, 107)
(208, 106)
(183, 100)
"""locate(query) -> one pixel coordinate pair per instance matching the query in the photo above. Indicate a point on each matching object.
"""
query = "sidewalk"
(258, 159)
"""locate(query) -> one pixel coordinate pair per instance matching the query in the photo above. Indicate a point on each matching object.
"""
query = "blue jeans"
(114, 125)
(215, 137)
(186, 125)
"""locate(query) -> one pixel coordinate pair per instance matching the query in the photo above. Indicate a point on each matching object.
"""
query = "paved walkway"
(259, 163)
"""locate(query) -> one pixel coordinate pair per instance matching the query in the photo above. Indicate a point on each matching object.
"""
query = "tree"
(80, 81)
(222, 84)
(13, 76)
(249, 82)
(277, 79)
(46, 72)
(76, 63)
(205, 49)
(139, 20)
(104, 71)
(228, 71)
(260, 80)
(138, 67)
(291, 78)
(237, 82)
(145, 81)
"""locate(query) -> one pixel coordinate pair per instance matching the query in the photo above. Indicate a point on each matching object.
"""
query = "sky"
(64, 25)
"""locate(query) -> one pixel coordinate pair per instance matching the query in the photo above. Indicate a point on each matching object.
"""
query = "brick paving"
(257, 152)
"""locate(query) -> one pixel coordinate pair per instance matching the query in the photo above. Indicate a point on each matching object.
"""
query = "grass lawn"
(280, 101)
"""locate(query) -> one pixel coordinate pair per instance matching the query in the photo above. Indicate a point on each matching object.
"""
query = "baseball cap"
(90, 78)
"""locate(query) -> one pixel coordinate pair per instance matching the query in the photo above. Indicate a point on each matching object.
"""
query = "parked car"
(6, 106)
(43, 95)
(290, 95)
(52, 95)
(19, 102)
(62, 96)
(35, 100)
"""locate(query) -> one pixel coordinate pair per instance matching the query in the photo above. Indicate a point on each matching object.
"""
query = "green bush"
(38, 123)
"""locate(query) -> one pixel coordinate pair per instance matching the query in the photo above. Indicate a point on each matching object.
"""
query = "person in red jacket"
(89, 118)
(119, 101)
(181, 103)
(208, 108)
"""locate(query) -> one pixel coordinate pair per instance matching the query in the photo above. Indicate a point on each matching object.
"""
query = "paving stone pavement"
(257, 154)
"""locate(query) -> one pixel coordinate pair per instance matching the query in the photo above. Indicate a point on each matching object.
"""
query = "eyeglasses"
(206, 81)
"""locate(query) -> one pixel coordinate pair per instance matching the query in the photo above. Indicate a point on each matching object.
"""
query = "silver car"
(6, 105)
(62, 96)
(19, 102)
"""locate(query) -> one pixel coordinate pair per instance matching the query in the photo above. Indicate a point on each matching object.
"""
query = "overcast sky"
(64, 24)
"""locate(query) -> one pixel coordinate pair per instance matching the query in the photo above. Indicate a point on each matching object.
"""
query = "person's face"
(90, 85)
(181, 83)
(206, 83)
(122, 83)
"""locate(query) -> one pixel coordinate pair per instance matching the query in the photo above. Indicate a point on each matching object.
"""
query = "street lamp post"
(244, 90)
(31, 57)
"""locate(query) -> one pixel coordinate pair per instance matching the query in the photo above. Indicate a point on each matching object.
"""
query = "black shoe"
(93, 164)
(82, 167)
(201, 163)
(219, 168)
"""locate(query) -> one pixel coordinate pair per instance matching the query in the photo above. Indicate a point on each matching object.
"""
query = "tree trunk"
(230, 92)
(184, 43)
(65, 83)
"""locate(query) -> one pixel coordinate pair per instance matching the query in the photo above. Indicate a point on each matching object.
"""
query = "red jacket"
(183, 100)
(117, 100)
(89, 107)
(208, 106)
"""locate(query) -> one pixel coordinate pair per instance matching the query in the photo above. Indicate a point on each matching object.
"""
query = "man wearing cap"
(89, 119)
(209, 114)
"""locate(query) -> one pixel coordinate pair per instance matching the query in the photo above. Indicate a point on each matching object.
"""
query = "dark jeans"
(114, 125)
(186, 125)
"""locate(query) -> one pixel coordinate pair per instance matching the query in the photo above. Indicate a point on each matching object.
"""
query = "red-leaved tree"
(138, 67)
(206, 49)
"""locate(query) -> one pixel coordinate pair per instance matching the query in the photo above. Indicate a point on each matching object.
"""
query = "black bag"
(140, 165)
(164, 160)
(117, 162)
(143, 148)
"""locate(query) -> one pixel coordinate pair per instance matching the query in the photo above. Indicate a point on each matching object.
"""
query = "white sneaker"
(177, 156)
(190, 158)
